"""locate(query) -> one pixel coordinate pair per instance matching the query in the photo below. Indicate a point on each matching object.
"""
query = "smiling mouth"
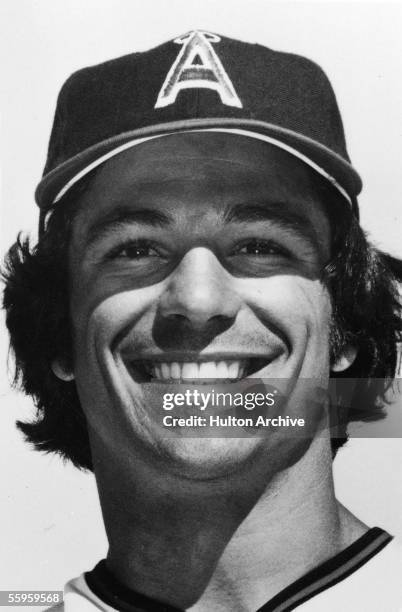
(229, 370)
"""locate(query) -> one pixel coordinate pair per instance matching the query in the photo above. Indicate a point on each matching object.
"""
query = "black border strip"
(334, 570)
(113, 593)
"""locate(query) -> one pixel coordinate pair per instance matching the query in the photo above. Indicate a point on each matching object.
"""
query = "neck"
(236, 544)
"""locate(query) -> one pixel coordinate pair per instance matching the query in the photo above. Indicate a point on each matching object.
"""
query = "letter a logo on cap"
(197, 66)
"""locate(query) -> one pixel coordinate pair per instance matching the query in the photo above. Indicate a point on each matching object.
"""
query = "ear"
(61, 371)
(345, 359)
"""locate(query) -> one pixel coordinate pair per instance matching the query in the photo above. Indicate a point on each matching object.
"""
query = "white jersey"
(365, 577)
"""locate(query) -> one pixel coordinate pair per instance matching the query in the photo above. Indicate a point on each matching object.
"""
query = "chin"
(209, 458)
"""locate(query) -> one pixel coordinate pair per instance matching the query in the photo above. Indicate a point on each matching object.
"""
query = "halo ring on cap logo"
(208, 72)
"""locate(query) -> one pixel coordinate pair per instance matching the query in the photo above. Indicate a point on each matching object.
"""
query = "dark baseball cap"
(196, 82)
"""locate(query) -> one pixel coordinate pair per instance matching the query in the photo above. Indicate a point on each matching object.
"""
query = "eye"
(134, 250)
(259, 248)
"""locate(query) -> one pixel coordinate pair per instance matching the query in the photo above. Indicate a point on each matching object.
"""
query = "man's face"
(196, 256)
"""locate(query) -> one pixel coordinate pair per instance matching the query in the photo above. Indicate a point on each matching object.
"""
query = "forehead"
(202, 173)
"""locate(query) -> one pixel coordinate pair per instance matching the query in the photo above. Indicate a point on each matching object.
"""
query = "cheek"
(317, 309)
(99, 318)
(97, 326)
(298, 306)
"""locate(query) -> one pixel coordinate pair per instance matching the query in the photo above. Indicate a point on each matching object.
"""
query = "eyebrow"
(279, 214)
(121, 216)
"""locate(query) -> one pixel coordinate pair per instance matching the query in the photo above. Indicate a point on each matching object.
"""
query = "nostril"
(200, 310)
(183, 333)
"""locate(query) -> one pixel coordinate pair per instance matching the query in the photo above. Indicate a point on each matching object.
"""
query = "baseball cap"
(199, 81)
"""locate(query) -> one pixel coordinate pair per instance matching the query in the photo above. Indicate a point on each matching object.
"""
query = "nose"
(200, 291)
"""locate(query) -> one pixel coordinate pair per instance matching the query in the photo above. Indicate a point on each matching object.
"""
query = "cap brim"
(331, 165)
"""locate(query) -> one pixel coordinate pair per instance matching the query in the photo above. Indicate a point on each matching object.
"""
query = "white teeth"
(189, 370)
(234, 368)
(175, 370)
(224, 369)
(231, 370)
(210, 370)
(165, 367)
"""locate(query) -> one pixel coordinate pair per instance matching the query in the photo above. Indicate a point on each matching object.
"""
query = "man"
(199, 224)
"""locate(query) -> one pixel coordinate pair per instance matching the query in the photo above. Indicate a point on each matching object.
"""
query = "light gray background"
(51, 527)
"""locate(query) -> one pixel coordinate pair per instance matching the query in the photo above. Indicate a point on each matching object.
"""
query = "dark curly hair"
(362, 282)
